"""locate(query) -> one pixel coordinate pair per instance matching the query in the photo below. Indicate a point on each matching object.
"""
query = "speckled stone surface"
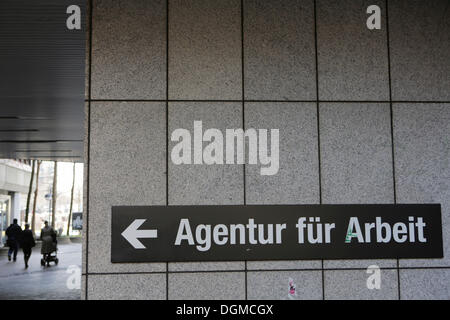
(85, 187)
(422, 153)
(191, 184)
(129, 49)
(127, 287)
(275, 285)
(284, 264)
(128, 140)
(86, 57)
(420, 49)
(205, 49)
(356, 156)
(363, 264)
(352, 285)
(207, 286)
(352, 60)
(127, 167)
(356, 160)
(297, 181)
(206, 266)
(205, 184)
(425, 284)
(83, 287)
(279, 51)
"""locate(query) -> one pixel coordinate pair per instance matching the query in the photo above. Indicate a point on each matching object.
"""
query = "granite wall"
(364, 117)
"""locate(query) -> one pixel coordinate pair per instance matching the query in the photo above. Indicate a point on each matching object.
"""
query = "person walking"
(13, 232)
(48, 237)
(27, 242)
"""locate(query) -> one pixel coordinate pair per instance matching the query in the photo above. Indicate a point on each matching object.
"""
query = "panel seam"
(91, 7)
(167, 130)
(243, 123)
(391, 115)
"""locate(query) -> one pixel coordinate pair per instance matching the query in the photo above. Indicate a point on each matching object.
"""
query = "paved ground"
(38, 282)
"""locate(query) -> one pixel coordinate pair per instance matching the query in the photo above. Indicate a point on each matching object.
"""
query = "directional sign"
(275, 232)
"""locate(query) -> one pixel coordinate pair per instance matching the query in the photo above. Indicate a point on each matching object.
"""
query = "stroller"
(49, 249)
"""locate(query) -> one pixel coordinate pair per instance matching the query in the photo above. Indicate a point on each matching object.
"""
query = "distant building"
(14, 183)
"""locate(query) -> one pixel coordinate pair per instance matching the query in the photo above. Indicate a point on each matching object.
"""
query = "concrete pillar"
(311, 69)
(15, 207)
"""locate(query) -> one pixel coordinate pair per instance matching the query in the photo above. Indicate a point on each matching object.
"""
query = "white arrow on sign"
(131, 234)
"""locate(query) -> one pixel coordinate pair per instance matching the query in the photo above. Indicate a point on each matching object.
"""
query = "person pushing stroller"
(48, 237)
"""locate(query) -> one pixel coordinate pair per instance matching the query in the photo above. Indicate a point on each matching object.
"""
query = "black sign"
(275, 232)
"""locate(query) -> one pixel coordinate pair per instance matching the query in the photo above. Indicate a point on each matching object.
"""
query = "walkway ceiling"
(42, 65)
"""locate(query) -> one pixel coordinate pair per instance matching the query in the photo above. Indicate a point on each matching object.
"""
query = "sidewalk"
(38, 282)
